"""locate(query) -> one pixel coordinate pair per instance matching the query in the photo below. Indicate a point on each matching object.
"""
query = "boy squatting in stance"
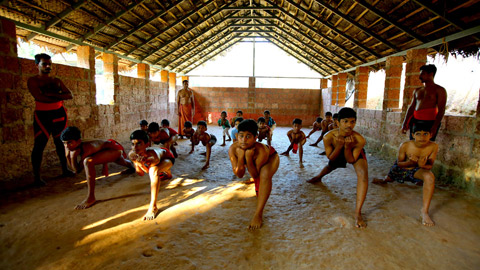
(328, 120)
(188, 130)
(414, 163)
(344, 145)
(155, 161)
(260, 160)
(297, 140)
(207, 139)
(166, 136)
(317, 125)
(223, 122)
(264, 131)
(91, 153)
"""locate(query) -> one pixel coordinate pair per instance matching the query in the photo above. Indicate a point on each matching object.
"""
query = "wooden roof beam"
(460, 25)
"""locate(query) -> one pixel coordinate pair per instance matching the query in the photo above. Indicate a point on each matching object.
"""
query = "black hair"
(240, 112)
(248, 125)
(261, 120)
(41, 56)
(297, 121)
(335, 116)
(328, 114)
(421, 126)
(224, 112)
(267, 111)
(143, 123)
(429, 69)
(153, 126)
(71, 133)
(139, 135)
(188, 124)
(346, 112)
(202, 123)
(165, 122)
(239, 119)
(319, 119)
(184, 81)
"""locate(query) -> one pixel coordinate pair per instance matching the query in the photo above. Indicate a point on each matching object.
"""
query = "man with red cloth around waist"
(186, 107)
(428, 103)
(50, 117)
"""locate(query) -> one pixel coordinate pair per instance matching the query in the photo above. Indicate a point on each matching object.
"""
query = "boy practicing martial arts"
(264, 131)
(88, 153)
(414, 163)
(155, 161)
(297, 140)
(317, 125)
(328, 120)
(260, 160)
(188, 130)
(342, 146)
(208, 140)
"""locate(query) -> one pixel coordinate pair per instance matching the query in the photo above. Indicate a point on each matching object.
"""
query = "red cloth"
(185, 112)
(426, 114)
(118, 146)
(42, 106)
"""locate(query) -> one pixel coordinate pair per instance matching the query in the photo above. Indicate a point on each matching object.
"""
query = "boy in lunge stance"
(88, 153)
(155, 161)
(342, 146)
(414, 164)
(328, 120)
(297, 140)
(208, 140)
(317, 125)
(260, 160)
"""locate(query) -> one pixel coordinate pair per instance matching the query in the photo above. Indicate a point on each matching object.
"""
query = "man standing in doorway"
(428, 103)
(50, 117)
(186, 106)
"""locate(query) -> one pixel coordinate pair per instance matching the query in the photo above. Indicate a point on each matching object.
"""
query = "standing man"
(50, 117)
(428, 103)
(186, 107)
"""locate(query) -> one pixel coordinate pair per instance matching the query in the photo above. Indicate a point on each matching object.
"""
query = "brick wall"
(283, 104)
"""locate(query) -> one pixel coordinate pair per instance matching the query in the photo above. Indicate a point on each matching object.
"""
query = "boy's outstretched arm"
(238, 161)
(76, 165)
(209, 152)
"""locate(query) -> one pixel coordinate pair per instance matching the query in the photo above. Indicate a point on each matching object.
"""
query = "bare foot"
(314, 180)
(382, 181)
(426, 220)
(313, 144)
(256, 222)
(203, 154)
(223, 144)
(359, 223)
(301, 165)
(205, 167)
(284, 154)
(86, 204)
(229, 139)
(150, 215)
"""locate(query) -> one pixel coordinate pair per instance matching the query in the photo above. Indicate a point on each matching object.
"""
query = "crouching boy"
(260, 160)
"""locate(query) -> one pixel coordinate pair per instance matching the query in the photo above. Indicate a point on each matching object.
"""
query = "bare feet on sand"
(359, 223)
(382, 181)
(150, 215)
(256, 222)
(301, 165)
(229, 139)
(222, 144)
(426, 220)
(86, 204)
(313, 144)
(314, 180)
(284, 154)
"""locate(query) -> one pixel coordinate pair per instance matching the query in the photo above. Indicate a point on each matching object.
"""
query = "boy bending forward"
(342, 146)
(414, 164)
(261, 162)
(155, 161)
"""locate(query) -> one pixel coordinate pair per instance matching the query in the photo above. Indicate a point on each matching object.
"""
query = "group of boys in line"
(342, 145)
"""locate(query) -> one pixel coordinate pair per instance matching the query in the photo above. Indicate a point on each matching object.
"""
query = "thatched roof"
(179, 35)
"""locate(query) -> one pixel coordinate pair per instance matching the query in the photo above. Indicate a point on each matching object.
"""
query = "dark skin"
(296, 136)
(325, 123)
(316, 126)
(431, 95)
(264, 133)
(201, 136)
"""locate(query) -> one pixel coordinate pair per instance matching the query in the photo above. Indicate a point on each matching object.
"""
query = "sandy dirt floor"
(204, 218)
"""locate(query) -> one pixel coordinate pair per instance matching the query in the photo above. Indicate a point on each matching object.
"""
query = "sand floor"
(205, 214)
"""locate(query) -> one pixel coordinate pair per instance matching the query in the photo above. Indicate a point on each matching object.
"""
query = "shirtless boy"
(223, 122)
(344, 145)
(88, 153)
(144, 125)
(234, 132)
(239, 115)
(208, 140)
(317, 125)
(188, 130)
(297, 140)
(50, 116)
(414, 163)
(155, 161)
(260, 160)
(334, 125)
(165, 136)
(269, 120)
(264, 131)
(328, 120)
(428, 103)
